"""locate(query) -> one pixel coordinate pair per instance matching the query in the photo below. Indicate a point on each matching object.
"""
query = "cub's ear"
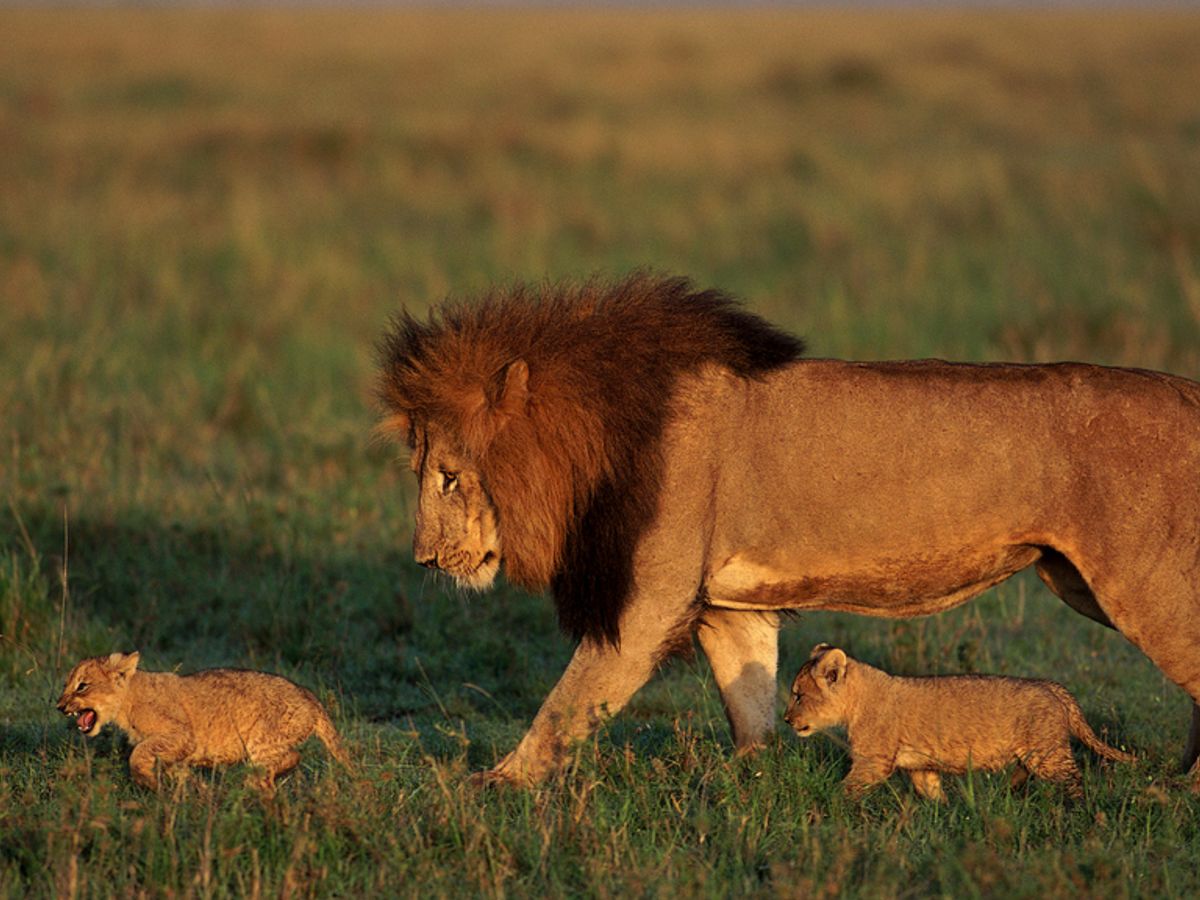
(819, 649)
(832, 666)
(124, 663)
(509, 390)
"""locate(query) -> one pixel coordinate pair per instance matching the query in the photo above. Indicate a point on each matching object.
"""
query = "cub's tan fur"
(213, 717)
(947, 724)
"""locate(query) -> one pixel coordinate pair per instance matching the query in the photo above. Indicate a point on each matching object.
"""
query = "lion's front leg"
(597, 683)
(743, 651)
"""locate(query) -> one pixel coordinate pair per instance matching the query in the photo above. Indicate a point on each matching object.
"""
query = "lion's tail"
(1082, 730)
(323, 728)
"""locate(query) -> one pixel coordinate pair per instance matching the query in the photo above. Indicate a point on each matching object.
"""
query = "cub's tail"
(323, 729)
(1080, 728)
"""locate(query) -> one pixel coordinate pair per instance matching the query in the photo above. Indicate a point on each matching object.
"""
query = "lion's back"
(906, 456)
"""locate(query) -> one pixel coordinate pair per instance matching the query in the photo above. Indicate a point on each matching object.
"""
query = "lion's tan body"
(889, 489)
(928, 482)
(952, 724)
(210, 718)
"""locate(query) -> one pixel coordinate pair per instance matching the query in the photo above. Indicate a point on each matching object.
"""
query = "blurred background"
(207, 216)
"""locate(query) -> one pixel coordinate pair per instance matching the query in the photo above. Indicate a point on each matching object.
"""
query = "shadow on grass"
(387, 640)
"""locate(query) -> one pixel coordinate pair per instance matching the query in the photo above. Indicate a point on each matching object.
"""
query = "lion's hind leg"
(1060, 575)
(1192, 752)
(1161, 616)
(1167, 630)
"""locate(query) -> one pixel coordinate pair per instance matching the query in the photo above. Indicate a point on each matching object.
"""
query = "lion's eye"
(82, 687)
(449, 482)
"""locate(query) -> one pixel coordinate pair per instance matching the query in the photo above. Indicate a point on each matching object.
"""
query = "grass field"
(206, 218)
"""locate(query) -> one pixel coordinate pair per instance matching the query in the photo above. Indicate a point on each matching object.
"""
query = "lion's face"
(457, 528)
(819, 693)
(96, 690)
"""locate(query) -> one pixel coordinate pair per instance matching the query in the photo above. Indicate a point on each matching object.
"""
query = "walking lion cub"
(941, 724)
(213, 717)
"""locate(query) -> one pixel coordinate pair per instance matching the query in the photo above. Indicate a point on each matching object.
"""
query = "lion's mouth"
(479, 575)
(802, 730)
(85, 720)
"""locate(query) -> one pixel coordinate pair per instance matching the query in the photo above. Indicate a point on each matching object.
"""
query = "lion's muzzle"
(463, 566)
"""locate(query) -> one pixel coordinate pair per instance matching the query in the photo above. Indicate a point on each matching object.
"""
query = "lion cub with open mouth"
(213, 717)
(941, 724)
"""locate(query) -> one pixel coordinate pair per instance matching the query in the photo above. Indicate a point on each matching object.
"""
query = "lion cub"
(940, 724)
(213, 717)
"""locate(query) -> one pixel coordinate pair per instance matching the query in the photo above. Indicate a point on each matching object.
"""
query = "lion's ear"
(396, 426)
(510, 388)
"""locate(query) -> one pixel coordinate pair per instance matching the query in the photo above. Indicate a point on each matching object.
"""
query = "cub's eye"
(449, 482)
(81, 688)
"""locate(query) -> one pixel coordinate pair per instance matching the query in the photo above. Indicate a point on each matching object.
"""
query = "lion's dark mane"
(575, 479)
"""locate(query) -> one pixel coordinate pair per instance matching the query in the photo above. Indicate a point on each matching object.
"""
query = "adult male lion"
(667, 464)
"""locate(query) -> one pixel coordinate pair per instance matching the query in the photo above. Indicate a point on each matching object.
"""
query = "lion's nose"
(425, 548)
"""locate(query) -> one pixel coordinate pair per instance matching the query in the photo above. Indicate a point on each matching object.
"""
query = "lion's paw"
(496, 778)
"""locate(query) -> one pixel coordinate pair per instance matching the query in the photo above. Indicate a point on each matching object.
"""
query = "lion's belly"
(892, 587)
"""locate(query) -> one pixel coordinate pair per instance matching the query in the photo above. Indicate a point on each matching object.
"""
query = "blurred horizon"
(631, 5)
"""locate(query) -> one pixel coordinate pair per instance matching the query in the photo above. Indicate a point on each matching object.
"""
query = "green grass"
(206, 218)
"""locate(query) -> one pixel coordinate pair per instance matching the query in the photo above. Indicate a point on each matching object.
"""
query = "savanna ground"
(206, 218)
